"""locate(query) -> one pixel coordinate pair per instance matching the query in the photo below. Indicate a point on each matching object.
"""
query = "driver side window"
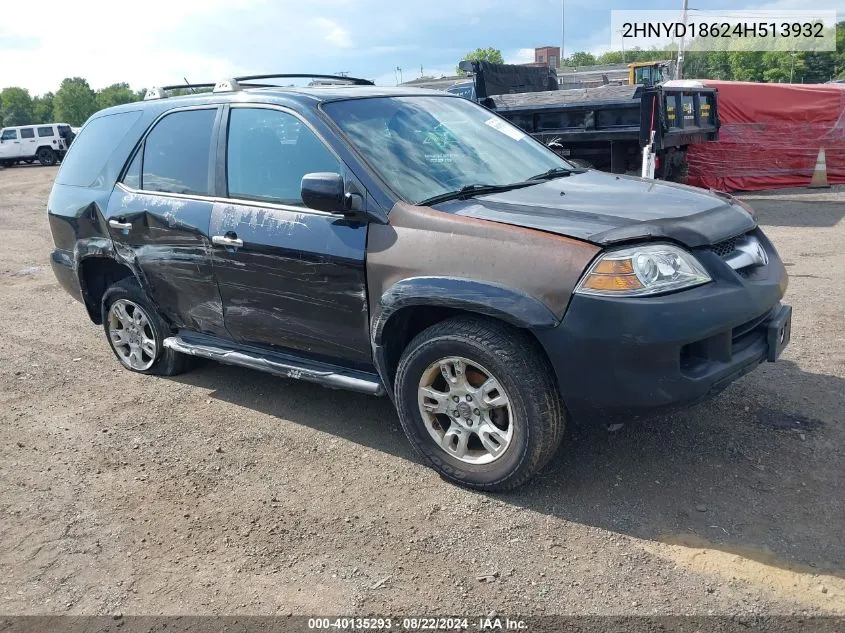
(268, 153)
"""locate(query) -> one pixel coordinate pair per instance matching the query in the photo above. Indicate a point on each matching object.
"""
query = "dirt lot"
(229, 491)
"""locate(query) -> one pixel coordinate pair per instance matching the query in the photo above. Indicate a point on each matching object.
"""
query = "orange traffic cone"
(820, 172)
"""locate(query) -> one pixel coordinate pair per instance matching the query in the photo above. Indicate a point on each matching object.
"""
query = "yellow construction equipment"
(650, 73)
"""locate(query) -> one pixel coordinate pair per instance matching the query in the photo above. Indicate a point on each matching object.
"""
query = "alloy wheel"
(131, 335)
(466, 410)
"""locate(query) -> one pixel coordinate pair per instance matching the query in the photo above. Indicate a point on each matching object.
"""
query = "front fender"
(494, 300)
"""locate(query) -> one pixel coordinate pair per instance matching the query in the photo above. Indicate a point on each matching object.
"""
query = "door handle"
(122, 226)
(225, 240)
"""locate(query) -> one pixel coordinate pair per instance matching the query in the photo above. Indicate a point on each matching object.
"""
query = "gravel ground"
(227, 491)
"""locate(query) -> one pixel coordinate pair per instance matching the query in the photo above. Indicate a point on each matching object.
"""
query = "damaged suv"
(414, 244)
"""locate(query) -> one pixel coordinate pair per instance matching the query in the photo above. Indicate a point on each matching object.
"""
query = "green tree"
(492, 55)
(74, 101)
(611, 57)
(15, 106)
(580, 58)
(817, 68)
(42, 108)
(116, 94)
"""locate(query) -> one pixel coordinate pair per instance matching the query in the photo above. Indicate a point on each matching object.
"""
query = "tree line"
(72, 103)
(737, 65)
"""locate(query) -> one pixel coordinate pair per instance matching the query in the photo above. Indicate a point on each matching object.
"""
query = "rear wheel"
(136, 332)
(478, 402)
(46, 156)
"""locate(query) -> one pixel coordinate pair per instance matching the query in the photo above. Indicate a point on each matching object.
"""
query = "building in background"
(546, 56)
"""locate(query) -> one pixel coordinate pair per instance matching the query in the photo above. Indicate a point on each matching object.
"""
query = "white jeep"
(46, 143)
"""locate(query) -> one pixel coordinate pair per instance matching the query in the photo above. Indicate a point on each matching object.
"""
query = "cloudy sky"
(155, 42)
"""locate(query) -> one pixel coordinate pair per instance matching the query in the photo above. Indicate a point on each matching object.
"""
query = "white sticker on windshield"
(505, 128)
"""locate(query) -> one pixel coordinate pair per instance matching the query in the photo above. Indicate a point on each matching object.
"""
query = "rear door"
(47, 136)
(10, 144)
(29, 141)
(290, 277)
(159, 216)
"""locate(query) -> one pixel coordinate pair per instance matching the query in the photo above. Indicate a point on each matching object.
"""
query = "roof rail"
(161, 93)
(238, 83)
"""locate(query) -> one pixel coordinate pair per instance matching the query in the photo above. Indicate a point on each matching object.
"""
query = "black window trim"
(222, 175)
(16, 137)
(219, 145)
(38, 129)
(31, 129)
(139, 147)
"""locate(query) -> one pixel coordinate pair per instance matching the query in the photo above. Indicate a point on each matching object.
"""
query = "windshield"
(427, 146)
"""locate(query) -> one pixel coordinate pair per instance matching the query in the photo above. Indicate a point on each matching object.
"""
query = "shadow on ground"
(758, 471)
(808, 213)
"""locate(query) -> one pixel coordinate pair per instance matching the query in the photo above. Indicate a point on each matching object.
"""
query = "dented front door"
(292, 279)
(289, 277)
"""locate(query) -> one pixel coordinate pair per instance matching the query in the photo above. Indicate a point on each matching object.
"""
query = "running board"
(285, 365)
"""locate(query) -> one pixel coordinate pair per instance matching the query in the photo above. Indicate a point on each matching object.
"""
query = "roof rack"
(238, 83)
(161, 93)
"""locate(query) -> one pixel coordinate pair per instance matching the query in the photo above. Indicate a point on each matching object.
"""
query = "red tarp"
(771, 135)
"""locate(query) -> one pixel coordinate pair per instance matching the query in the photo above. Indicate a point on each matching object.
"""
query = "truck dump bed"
(615, 113)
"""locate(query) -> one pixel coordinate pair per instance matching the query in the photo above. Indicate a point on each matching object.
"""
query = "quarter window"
(9, 135)
(27, 132)
(177, 153)
(45, 131)
(268, 154)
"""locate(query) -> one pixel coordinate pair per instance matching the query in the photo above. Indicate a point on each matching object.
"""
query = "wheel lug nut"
(455, 398)
(476, 412)
(469, 398)
(457, 413)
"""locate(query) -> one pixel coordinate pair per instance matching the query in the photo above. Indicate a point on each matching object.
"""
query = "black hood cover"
(605, 208)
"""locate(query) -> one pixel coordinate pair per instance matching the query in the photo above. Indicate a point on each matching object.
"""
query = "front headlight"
(642, 270)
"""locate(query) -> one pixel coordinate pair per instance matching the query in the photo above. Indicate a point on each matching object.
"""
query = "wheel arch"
(96, 275)
(412, 305)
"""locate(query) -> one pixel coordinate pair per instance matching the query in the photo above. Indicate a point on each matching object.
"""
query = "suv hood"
(605, 208)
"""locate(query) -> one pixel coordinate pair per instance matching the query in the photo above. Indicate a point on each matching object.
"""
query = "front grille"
(724, 249)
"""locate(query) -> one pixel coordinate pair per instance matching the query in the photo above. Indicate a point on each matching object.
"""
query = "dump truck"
(606, 127)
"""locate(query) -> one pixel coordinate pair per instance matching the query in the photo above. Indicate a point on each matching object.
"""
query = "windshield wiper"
(468, 191)
(557, 172)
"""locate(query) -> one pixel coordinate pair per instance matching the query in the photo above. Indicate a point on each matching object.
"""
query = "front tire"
(136, 332)
(478, 402)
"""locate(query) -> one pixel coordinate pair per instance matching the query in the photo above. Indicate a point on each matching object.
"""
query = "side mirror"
(324, 191)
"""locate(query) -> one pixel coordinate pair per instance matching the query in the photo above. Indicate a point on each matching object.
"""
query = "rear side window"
(27, 132)
(45, 131)
(93, 147)
(177, 153)
(9, 135)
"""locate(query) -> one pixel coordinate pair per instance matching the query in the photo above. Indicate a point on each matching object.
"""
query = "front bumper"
(620, 358)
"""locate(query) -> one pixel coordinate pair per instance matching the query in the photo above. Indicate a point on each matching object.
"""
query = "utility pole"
(624, 61)
(679, 73)
(562, 32)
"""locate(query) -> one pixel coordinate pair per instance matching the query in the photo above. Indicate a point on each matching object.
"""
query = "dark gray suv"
(410, 243)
